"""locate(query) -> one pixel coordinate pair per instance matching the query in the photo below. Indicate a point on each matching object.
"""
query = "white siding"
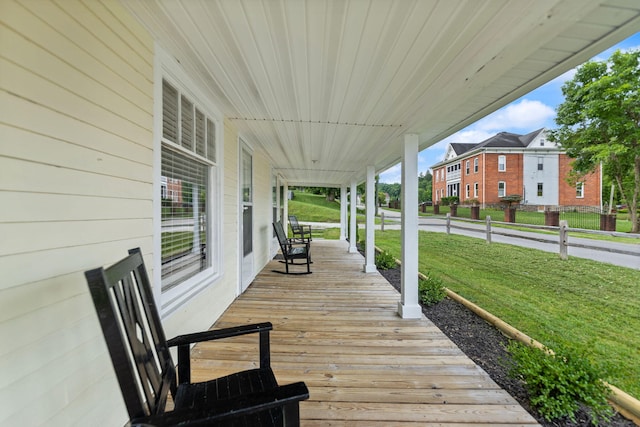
(548, 176)
(76, 189)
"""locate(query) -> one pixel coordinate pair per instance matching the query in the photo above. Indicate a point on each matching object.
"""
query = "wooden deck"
(337, 330)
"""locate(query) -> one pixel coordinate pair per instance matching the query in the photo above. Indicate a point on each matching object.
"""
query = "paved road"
(544, 242)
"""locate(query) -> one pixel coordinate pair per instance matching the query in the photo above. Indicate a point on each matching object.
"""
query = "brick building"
(506, 164)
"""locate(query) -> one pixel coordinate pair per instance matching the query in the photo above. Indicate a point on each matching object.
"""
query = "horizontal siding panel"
(18, 175)
(13, 301)
(39, 148)
(21, 113)
(95, 111)
(28, 341)
(102, 35)
(86, 370)
(16, 237)
(64, 207)
(19, 269)
(87, 58)
(32, 59)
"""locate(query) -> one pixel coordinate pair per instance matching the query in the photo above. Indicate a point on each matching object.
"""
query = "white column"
(285, 212)
(343, 212)
(353, 200)
(408, 307)
(370, 199)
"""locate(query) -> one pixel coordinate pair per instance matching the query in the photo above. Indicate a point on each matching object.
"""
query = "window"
(580, 190)
(475, 165)
(542, 141)
(540, 186)
(188, 155)
(466, 191)
(540, 163)
(502, 163)
(475, 190)
(502, 189)
(467, 167)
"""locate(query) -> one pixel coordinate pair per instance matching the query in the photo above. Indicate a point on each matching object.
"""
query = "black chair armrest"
(183, 342)
(216, 334)
(229, 408)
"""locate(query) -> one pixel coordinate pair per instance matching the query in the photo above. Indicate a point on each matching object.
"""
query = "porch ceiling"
(325, 88)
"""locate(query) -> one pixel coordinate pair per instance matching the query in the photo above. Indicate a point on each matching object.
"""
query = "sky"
(532, 111)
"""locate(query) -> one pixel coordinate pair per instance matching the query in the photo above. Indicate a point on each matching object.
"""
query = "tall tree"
(599, 122)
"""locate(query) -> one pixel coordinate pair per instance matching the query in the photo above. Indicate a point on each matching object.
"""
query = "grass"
(315, 208)
(591, 306)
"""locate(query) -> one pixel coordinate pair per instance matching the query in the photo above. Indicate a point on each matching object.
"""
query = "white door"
(246, 220)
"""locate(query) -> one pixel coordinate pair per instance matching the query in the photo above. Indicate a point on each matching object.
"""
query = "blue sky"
(532, 111)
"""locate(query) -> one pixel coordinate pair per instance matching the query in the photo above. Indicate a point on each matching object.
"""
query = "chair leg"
(291, 414)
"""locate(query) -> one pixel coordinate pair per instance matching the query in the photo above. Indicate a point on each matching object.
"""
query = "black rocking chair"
(147, 375)
(292, 250)
(300, 232)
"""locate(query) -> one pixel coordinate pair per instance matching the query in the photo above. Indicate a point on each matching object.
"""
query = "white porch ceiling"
(326, 88)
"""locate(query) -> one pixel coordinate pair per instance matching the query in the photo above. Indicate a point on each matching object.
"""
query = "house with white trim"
(507, 163)
(177, 126)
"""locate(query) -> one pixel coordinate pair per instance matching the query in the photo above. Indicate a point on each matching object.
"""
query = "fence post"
(382, 221)
(564, 236)
(448, 223)
(488, 229)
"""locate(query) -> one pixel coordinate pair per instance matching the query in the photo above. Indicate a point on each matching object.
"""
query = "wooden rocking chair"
(292, 250)
(300, 232)
(147, 375)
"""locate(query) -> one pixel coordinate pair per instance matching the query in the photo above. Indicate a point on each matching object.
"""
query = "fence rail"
(563, 235)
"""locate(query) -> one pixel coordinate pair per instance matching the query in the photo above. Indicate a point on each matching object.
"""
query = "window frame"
(167, 69)
(467, 167)
(540, 163)
(580, 190)
(467, 191)
(502, 163)
(504, 188)
(475, 165)
(475, 190)
(540, 189)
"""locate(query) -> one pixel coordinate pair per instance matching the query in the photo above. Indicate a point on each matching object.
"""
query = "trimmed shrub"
(385, 261)
(431, 291)
(558, 384)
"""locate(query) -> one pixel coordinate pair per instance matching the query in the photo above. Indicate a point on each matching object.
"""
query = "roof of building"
(500, 140)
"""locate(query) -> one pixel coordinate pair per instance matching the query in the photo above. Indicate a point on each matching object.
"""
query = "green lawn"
(592, 306)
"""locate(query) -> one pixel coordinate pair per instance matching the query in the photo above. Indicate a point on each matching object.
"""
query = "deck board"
(338, 330)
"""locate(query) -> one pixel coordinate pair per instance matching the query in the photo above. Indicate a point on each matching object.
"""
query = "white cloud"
(524, 116)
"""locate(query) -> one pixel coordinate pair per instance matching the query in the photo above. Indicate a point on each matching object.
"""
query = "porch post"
(370, 254)
(353, 200)
(285, 210)
(408, 307)
(343, 212)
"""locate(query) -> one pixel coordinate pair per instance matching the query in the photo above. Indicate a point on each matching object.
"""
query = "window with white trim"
(475, 190)
(188, 167)
(467, 167)
(466, 191)
(502, 163)
(540, 163)
(475, 165)
(502, 189)
(540, 189)
(579, 190)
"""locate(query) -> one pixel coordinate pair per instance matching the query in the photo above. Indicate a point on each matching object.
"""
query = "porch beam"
(353, 200)
(343, 212)
(408, 307)
(370, 199)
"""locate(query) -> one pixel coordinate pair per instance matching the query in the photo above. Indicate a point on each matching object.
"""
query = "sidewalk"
(534, 240)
